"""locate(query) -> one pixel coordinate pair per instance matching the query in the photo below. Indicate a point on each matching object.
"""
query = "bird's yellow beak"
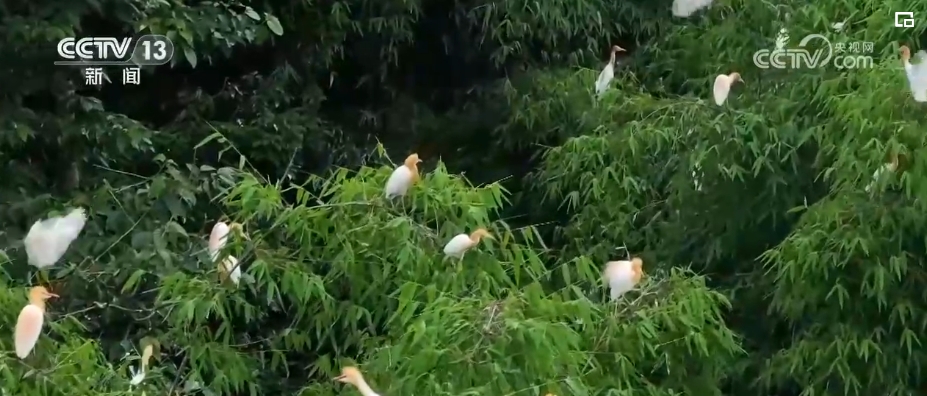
(52, 295)
(341, 378)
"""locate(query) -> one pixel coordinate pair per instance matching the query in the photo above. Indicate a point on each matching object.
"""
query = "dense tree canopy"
(775, 263)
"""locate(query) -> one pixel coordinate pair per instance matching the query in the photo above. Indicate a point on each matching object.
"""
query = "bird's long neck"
(611, 59)
(414, 168)
(365, 389)
(146, 356)
(38, 302)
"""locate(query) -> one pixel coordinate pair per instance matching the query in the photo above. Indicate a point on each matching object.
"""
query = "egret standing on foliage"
(883, 170)
(608, 73)
(147, 352)
(684, 8)
(723, 86)
(917, 74)
(31, 319)
(229, 267)
(459, 244)
(48, 239)
(351, 375)
(403, 177)
(622, 276)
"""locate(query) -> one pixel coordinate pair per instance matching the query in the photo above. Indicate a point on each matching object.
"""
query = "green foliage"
(775, 263)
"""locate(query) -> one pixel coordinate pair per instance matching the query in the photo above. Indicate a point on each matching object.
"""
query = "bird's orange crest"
(905, 53)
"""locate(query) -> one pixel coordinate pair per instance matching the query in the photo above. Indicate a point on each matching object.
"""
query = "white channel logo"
(904, 19)
(797, 58)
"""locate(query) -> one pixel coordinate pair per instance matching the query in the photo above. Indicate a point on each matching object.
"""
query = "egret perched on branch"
(31, 319)
(623, 275)
(403, 177)
(883, 171)
(684, 8)
(723, 86)
(351, 375)
(229, 267)
(608, 73)
(48, 239)
(917, 74)
(459, 244)
(148, 346)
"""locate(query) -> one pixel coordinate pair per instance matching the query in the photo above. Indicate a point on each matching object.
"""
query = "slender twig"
(183, 364)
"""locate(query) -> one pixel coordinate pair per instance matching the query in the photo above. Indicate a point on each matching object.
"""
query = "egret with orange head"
(31, 320)
(623, 276)
(403, 177)
(461, 243)
(353, 376)
(889, 167)
(148, 350)
(722, 86)
(608, 73)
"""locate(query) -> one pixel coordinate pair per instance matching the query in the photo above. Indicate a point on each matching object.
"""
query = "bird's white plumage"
(722, 88)
(49, 239)
(137, 376)
(605, 78)
(458, 245)
(232, 268)
(696, 180)
(917, 76)
(399, 182)
(619, 275)
(684, 8)
(28, 327)
(217, 239)
(782, 39)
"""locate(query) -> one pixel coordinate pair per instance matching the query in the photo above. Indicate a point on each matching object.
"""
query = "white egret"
(684, 8)
(229, 267)
(49, 239)
(696, 179)
(351, 375)
(608, 73)
(403, 177)
(30, 321)
(782, 39)
(917, 74)
(722, 86)
(459, 244)
(139, 376)
(622, 276)
(882, 172)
